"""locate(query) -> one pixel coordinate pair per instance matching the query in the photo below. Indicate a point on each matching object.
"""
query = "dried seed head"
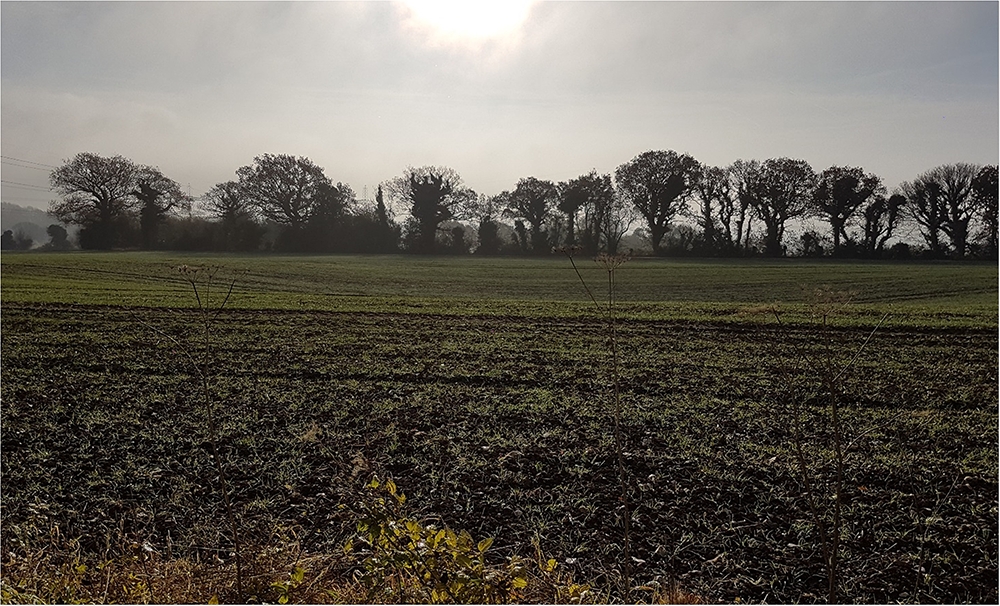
(569, 251)
(611, 262)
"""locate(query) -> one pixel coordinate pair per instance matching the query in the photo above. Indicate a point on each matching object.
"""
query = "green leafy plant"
(285, 588)
(407, 560)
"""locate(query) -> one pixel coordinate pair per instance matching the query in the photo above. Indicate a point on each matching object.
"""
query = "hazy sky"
(546, 89)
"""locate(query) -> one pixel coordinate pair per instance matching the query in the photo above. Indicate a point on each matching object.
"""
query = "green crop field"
(482, 386)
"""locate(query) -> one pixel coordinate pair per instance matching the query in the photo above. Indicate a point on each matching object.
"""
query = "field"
(482, 387)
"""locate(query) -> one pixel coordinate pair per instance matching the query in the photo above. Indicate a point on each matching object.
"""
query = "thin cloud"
(201, 88)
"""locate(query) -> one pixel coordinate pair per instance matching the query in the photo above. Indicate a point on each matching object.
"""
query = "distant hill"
(28, 220)
(12, 214)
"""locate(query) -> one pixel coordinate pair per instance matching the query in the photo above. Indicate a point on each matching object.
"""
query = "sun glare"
(471, 20)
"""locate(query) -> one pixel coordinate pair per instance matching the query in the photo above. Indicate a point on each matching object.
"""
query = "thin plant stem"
(202, 370)
(830, 377)
(212, 429)
(622, 475)
(610, 264)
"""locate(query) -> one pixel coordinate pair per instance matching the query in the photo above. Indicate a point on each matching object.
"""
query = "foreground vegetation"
(481, 388)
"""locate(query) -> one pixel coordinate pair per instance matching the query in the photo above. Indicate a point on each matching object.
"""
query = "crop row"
(501, 426)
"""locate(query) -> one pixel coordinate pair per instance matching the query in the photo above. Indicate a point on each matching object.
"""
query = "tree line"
(286, 203)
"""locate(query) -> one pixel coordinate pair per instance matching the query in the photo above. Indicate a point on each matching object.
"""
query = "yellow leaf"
(485, 544)
(213, 600)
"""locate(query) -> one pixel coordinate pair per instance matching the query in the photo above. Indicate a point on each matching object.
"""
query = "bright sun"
(470, 19)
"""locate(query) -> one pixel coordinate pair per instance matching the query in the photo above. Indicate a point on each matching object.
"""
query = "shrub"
(410, 561)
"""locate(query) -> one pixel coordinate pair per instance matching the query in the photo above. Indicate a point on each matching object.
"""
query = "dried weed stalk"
(201, 280)
(610, 263)
(824, 303)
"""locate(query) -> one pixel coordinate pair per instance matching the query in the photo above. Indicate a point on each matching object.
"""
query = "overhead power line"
(27, 162)
(9, 163)
(25, 185)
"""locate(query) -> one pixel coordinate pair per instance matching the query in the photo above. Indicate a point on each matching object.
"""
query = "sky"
(495, 91)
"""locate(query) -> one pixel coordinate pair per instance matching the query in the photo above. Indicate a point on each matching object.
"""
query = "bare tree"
(158, 195)
(881, 217)
(737, 214)
(960, 206)
(434, 194)
(657, 184)
(716, 209)
(227, 203)
(984, 190)
(96, 195)
(615, 215)
(778, 191)
(583, 193)
(941, 201)
(283, 188)
(923, 208)
(533, 200)
(840, 192)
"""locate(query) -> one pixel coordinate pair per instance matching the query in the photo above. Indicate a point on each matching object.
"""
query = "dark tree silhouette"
(158, 195)
(923, 207)
(381, 212)
(7, 240)
(533, 200)
(226, 203)
(613, 216)
(941, 201)
(457, 242)
(283, 188)
(984, 192)
(738, 215)
(779, 190)
(58, 238)
(521, 235)
(881, 217)
(657, 184)
(593, 194)
(485, 211)
(434, 194)
(237, 218)
(490, 242)
(386, 235)
(840, 192)
(810, 244)
(325, 231)
(716, 210)
(96, 195)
